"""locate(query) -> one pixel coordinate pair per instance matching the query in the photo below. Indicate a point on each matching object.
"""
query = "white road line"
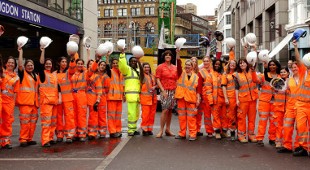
(113, 154)
(50, 159)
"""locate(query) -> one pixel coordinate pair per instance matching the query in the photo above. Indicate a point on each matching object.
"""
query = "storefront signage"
(22, 13)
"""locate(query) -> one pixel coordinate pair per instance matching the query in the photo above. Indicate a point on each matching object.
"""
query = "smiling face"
(90, 62)
(284, 74)
(29, 67)
(232, 65)
(243, 65)
(80, 65)
(194, 60)
(10, 64)
(102, 67)
(168, 57)
(48, 65)
(272, 67)
(188, 66)
(295, 69)
(63, 64)
(206, 62)
(146, 69)
(115, 64)
(133, 62)
(217, 66)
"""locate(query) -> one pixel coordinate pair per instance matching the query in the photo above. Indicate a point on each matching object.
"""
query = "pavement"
(140, 152)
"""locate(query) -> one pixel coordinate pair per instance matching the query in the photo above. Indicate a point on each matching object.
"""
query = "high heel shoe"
(159, 135)
(169, 134)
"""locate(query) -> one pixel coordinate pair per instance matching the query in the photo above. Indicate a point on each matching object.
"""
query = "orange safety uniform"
(148, 101)
(102, 108)
(94, 90)
(204, 106)
(9, 86)
(229, 82)
(279, 110)
(65, 112)
(216, 99)
(266, 110)
(27, 101)
(247, 95)
(186, 96)
(290, 111)
(48, 91)
(115, 99)
(302, 109)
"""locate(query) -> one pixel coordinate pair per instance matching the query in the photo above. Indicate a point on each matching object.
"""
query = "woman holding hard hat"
(27, 100)
(9, 86)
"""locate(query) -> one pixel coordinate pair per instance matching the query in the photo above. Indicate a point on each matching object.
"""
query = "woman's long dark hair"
(277, 63)
(228, 69)
(49, 59)
(10, 57)
(220, 70)
(58, 64)
(239, 70)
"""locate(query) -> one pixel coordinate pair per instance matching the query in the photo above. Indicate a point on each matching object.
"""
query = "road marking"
(50, 159)
(113, 154)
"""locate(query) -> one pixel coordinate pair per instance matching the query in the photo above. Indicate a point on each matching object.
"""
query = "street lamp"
(134, 31)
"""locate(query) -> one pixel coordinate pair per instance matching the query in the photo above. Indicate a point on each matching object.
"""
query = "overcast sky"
(204, 7)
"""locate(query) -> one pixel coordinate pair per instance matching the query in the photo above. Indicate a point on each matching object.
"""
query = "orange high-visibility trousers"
(7, 120)
(303, 124)
(47, 112)
(220, 121)
(187, 115)
(207, 115)
(115, 116)
(53, 123)
(246, 109)
(148, 115)
(288, 128)
(28, 117)
(199, 116)
(92, 122)
(232, 114)
(80, 113)
(65, 120)
(102, 116)
(278, 122)
(266, 111)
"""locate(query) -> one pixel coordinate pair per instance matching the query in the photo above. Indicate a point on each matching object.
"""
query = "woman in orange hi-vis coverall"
(27, 100)
(105, 73)
(188, 100)
(246, 95)
(266, 103)
(293, 86)
(9, 86)
(94, 91)
(115, 100)
(228, 85)
(48, 90)
(65, 113)
(148, 100)
(216, 100)
(204, 105)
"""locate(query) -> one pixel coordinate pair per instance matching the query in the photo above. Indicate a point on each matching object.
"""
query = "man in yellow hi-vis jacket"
(132, 90)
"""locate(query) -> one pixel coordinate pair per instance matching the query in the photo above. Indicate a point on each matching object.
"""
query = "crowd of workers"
(80, 103)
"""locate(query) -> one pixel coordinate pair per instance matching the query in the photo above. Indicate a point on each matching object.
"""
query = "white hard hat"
(243, 42)
(87, 42)
(72, 47)
(45, 42)
(251, 39)
(252, 57)
(230, 42)
(306, 60)
(110, 46)
(74, 38)
(102, 50)
(121, 44)
(263, 55)
(137, 51)
(180, 42)
(21, 41)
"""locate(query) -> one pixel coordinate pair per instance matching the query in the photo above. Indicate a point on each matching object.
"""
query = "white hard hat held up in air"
(243, 42)
(251, 39)
(137, 51)
(87, 42)
(21, 41)
(180, 42)
(72, 47)
(263, 55)
(45, 42)
(230, 42)
(74, 38)
(306, 60)
(121, 44)
(252, 57)
(110, 46)
(102, 50)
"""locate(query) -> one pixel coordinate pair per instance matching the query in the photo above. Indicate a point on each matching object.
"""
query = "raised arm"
(122, 64)
(42, 56)
(20, 59)
(297, 55)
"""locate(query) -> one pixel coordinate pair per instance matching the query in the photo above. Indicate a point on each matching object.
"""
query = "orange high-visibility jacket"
(229, 82)
(279, 101)
(304, 90)
(65, 86)
(266, 91)
(213, 86)
(94, 89)
(10, 85)
(205, 73)
(293, 87)
(146, 95)
(28, 91)
(116, 89)
(186, 88)
(48, 89)
(247, 88)
(105, 82)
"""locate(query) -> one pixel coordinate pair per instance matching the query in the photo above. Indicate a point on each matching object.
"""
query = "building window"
(135, 0)
(149, 0)
(308, 8)
(149, 11)
(149, 28)
(272, 18)
(228, 19)
(121, 28)
(228, 33)
(122, 12)
(108, 1)
(108, 12)
(135, 11)
(122, 1)
(99, 1)
(108, 29)
(98, 13)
